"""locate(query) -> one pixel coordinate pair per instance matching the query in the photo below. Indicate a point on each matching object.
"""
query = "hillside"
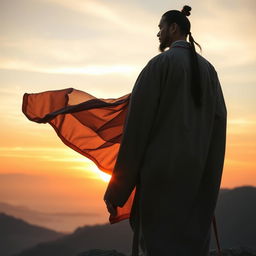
(235, 215)
(17, 235)
(105, 237)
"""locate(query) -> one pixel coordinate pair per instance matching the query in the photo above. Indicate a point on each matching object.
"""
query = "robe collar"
(180, 43)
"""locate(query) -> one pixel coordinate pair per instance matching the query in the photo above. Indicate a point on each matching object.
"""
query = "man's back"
(173, 153)
(179, 126)
(181, 172)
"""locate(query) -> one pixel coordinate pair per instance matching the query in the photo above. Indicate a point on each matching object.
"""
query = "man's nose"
(158, 34)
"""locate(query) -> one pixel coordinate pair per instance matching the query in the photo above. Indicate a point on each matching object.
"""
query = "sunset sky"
(100, 46)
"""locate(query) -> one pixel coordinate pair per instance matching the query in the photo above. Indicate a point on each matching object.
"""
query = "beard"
(164, 44)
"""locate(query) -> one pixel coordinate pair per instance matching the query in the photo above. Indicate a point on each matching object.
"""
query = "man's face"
(164, 35)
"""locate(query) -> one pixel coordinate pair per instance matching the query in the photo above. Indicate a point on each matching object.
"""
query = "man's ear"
(173, 28)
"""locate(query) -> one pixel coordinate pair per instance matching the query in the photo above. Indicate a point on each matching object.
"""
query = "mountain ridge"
(17, 234)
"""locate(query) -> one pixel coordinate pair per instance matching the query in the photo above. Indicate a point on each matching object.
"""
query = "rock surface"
(241, 251)
(97, 252)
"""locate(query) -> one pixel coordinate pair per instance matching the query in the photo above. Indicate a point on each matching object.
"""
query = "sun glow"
(102, 175)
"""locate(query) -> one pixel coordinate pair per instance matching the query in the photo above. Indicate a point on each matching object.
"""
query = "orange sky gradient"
(100, 47)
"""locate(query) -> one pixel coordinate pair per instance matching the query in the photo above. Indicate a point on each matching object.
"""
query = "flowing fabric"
(91, 126)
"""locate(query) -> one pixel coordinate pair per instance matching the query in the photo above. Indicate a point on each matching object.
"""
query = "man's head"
(173, 26)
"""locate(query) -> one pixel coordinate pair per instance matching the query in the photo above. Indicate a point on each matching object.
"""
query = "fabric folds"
(91, 126)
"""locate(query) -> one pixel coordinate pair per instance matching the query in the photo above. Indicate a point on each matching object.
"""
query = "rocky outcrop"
(97, 252)
(241, 251)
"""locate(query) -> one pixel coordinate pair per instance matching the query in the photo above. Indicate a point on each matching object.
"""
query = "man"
(173, 147)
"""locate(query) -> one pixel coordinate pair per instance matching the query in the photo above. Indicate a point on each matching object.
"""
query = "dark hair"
(180, 18)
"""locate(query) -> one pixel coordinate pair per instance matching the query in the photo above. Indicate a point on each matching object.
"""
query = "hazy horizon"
(69, 220)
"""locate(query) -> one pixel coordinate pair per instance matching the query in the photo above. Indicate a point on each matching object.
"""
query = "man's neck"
(180, 39)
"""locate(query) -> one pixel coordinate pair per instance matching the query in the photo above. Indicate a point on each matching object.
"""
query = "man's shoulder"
(171, 56)
(206, 63)
(159, 59)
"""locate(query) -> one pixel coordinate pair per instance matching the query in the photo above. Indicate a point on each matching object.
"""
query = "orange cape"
(91, 126)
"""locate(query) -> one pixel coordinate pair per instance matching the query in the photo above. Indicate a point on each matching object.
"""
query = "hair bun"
(186, 10)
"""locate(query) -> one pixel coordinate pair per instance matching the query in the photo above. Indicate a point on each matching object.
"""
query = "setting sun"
(102, 175)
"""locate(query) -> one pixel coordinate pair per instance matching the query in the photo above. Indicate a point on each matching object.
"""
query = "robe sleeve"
(143, 106)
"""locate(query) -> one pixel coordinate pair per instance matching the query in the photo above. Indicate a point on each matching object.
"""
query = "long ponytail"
(196, 88)
(180, 17)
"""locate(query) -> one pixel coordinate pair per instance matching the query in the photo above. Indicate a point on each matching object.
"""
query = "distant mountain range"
(16, 235)
(235, 215)
(65, 222)
(117, 236)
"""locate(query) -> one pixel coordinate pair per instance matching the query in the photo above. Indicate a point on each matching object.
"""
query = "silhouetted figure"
(173, 147)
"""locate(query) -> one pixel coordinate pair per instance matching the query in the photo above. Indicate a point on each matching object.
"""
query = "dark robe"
(173, 153)
(165, 155)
